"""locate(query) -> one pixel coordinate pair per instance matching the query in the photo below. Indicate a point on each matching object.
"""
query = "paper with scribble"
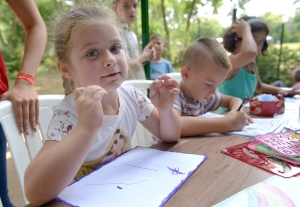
(140, 177)
(259, 125)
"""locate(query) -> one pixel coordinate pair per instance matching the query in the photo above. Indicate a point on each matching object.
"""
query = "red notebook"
(263, 161)
(261, 148)
(285, 143)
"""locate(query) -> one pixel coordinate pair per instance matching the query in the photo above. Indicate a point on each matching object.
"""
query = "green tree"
(12, 37)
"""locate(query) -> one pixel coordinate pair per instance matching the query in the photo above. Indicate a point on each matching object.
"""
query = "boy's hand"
(149, 53)
(239, 27)
(163, 92)
(89, 107)
(238, 120)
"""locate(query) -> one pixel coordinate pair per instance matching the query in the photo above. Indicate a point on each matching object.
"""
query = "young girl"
(126, 12)
(245, 40)
(94, 124)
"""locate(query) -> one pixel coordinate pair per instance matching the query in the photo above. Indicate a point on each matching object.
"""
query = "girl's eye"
(207, 84)
(92, 53)
(116, 49)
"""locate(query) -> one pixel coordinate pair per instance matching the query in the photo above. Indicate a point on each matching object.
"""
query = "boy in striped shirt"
(205, 65)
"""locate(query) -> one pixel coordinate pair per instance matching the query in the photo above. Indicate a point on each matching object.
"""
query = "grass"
(292, 46)
(50, 83)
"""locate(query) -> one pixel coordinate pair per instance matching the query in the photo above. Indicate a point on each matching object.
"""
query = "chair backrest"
(141, 137)
(23, 147)
(176, 76)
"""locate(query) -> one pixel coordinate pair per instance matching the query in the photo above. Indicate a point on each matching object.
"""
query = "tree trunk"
(169, 53)
(188, 23)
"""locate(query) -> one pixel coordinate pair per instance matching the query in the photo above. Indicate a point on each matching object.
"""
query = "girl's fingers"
(25, 111)
(77, 92)
(88, 92)
(19, 116)
(32, 113)
(37, 112)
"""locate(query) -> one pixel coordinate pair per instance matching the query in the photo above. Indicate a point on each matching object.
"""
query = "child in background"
(205, 65)
(95, 123)
(245, 40)
(296, 77)
(160, 65)
(126, 12)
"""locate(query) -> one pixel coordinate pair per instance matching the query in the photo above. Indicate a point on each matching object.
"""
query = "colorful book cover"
(263, 161)
(286, 143)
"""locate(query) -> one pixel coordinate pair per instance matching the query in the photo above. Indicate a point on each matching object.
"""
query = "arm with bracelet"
(23, 94)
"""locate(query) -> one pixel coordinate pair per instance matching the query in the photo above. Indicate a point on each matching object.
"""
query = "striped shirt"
(188, 107)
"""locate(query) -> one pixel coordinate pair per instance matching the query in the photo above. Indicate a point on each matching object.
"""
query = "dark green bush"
(270, 69)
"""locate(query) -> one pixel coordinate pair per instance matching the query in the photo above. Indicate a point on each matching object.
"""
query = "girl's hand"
(294, 91)
(163, 92)
(26, 104)
(89, 107)
(239, 27)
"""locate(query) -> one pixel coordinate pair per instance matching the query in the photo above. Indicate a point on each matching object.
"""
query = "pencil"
(244, 101)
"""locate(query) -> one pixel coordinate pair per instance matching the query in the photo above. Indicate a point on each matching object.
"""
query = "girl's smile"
(111, 75)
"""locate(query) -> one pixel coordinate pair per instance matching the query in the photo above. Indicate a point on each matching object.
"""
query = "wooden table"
(219, 177)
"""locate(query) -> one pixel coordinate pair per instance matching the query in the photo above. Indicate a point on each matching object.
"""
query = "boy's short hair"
(204, 48)
(156, 36)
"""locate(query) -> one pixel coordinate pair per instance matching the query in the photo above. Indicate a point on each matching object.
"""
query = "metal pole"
(234, 14)
(145, 33)
(280, 51)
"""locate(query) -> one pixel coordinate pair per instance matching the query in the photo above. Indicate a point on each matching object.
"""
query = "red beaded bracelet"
(25, 76)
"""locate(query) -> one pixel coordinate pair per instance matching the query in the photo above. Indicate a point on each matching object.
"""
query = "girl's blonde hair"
(66, 22)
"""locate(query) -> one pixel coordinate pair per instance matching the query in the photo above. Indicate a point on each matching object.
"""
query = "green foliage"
(176, 33)
(270, 69)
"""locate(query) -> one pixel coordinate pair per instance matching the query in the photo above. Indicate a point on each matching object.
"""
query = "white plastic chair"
(23, 147)
(176, 76)
(141, 137)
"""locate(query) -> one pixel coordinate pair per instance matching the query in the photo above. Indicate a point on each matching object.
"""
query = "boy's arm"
(192, 126)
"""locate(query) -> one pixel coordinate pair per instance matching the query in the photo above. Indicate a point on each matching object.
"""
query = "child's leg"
(3, 176)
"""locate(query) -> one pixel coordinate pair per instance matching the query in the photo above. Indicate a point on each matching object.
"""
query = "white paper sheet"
(140, 177)
(275, 191)
(259, 125)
